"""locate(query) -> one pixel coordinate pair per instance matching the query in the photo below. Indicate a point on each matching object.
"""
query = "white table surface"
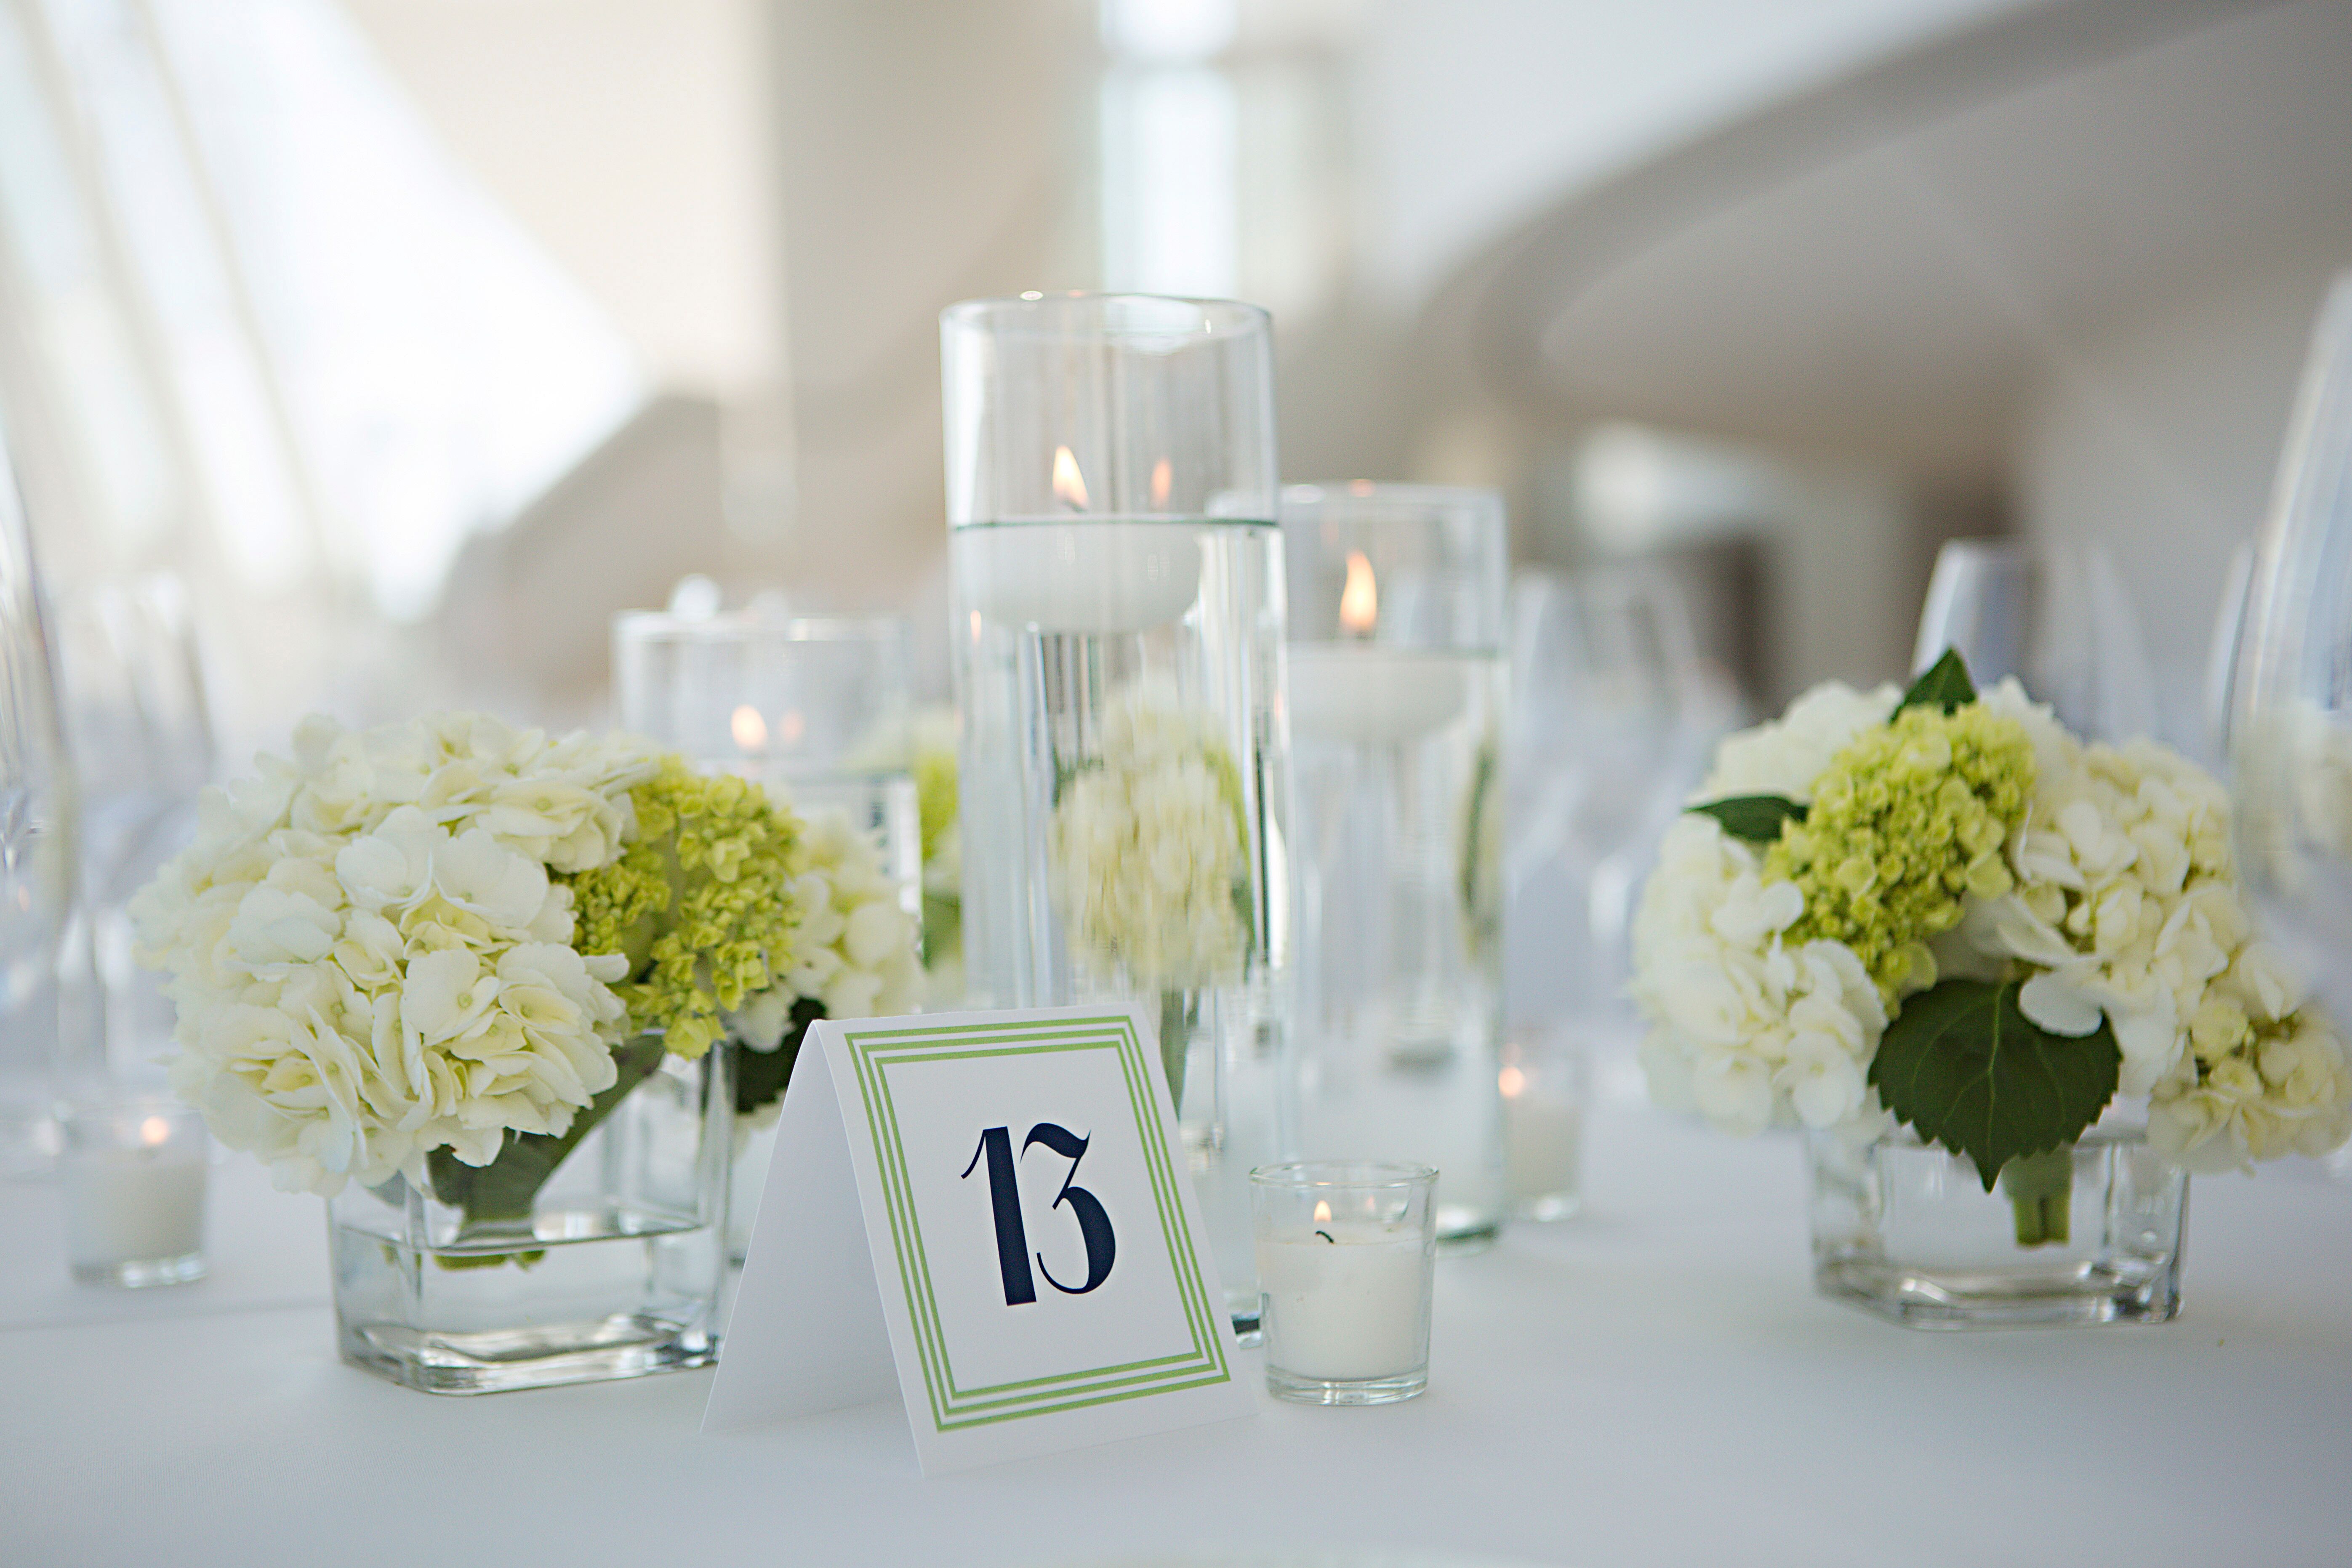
(1653, 1383)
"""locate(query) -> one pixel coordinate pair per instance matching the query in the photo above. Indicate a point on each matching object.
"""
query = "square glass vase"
(615, 1271)
(2084, 1236)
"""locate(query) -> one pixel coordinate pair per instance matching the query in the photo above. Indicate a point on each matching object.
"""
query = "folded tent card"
(991, 1210)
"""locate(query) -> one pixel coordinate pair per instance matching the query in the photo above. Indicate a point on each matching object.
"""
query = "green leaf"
(760, 1076)
(1754, 818)
(1945, 685)
(499, 1194)
(1967, 1069)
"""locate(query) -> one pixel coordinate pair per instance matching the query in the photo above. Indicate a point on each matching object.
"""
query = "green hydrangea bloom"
(1906, 820)
(698, 902)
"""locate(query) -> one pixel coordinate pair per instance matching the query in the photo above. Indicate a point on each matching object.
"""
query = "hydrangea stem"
(2040, 1189)
(1175, 1041)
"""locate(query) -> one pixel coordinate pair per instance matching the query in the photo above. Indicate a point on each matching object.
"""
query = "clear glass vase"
(1397, 696)
(2086, 1235)
(1118, 615)
(612, 1269)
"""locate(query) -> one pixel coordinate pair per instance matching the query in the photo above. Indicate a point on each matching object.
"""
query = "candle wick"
(1328, 1236)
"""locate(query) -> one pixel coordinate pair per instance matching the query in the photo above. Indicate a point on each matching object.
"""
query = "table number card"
(995, 1204)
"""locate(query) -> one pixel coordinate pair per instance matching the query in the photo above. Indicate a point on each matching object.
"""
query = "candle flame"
(1322, 1212)
(1069, 485)
(1163, 480)
(751, 731)
(1360, 601)
(975, 626)
(1513, 1082)
(155, 1132)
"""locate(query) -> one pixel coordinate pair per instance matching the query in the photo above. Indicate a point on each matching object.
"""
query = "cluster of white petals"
(1148, 849)
(369, 958)
(2127, 906)
(853, 940)
(1744, 1028)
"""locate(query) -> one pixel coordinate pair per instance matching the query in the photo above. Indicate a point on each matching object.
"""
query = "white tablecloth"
(1653, 1383)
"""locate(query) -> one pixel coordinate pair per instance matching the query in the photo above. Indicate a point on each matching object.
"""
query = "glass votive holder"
(1544, 1096)
(1347, 1252)
(133, 1174)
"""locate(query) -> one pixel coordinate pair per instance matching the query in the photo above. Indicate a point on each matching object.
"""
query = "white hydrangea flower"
(1745, 1029)
(1783, 756)
(853, 940)
(1148, 850)
(2127, 907)
(367, 954)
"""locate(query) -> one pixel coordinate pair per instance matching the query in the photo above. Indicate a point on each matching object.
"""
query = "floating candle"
(1102, 577)
(1369, 694)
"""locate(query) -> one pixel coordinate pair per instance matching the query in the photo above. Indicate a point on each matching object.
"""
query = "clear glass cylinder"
(819, 708)
(1397, 698)
(1347, 1258)
(1119, 622)
(471, 1283)
(2090, 1234)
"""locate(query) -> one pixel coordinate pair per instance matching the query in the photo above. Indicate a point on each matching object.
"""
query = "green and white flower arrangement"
(441, 951)
(1937, 907)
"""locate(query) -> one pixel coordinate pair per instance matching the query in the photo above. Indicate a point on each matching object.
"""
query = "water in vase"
(1122, 796)
(1398, 1017)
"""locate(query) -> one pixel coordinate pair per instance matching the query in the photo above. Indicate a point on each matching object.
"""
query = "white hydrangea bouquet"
(1938, 908)
(443, 951)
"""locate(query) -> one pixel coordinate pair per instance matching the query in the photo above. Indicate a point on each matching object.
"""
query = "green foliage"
(1756, 819)
(1968, 1070)
(1946, 686)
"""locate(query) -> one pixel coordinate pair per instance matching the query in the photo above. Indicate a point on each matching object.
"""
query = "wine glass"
(2290, 714)
(140, 731)
(2056, 616)
(36, 841)
(1606, 688)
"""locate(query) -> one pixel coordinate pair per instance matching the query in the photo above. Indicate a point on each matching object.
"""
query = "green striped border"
(953, 1407)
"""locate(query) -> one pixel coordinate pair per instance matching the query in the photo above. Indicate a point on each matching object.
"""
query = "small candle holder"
(133, 1173)
(1543, 1084)
(1345, 1255)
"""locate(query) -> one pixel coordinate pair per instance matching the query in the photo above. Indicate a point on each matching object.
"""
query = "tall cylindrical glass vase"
(1396, 710)
(1118, 620)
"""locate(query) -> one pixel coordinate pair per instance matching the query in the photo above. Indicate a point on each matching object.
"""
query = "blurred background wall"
(419, 335)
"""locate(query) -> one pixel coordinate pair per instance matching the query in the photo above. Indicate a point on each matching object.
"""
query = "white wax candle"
(1540, 1135)
(1349, 1308)
(1368, 694)
(133, 1206)
(1092, 579)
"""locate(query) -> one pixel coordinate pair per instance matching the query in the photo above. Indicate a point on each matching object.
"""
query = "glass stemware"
(37, 840)
(2057, 617)
(2290, 714)
(140, 729)
(1607, 693)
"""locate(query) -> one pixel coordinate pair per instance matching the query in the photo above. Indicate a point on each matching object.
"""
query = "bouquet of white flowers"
(443, 951)
(1939, 908)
